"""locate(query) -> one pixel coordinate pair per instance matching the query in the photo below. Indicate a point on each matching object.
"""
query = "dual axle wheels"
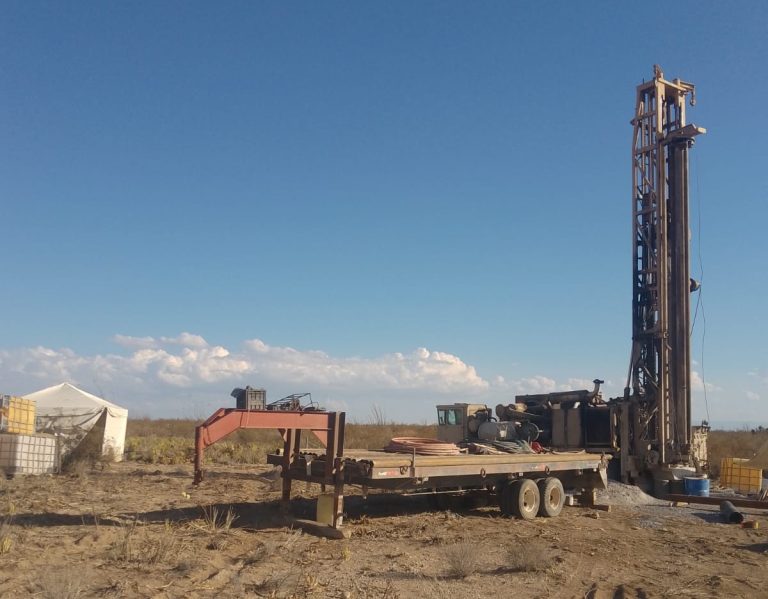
(526, 498)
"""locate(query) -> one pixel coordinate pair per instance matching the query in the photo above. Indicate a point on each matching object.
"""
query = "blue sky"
(381, 203)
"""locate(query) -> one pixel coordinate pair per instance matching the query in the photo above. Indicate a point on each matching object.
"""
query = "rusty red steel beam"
(748, 503)
(223, 422)
(226, 421)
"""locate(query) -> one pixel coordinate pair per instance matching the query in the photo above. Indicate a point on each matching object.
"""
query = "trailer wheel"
(523, 499)
(552, 497)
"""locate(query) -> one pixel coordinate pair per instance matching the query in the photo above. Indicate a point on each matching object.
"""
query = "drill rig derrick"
(655, 412)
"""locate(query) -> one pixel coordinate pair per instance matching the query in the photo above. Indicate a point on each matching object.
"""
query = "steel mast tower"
(655, 416)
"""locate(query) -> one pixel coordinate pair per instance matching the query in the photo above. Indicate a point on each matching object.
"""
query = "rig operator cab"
(452, 420)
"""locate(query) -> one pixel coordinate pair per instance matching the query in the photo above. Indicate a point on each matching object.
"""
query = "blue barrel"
(697, 485)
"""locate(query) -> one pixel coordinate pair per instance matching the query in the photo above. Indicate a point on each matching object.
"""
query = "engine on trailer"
(560, 420)
(484, 426)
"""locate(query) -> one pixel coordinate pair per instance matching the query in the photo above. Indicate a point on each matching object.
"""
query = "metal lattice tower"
(659, 380)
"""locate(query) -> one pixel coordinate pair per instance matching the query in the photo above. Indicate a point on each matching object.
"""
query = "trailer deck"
(372, 467)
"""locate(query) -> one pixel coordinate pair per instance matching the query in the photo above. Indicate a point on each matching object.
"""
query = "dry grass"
(124, 549)
(134, 547)
(270, 546)
(76, 467)
(733, 444)
(6, 527)
(163, 548)
(462, 559)
(6, 543)
(530, 555)
(289, 584)
(216, 523)
(171, 441)
(375, 436)
(59, 584)
(216, 520)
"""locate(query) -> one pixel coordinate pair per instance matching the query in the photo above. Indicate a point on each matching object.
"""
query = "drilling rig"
(649, 428)
(654, 416)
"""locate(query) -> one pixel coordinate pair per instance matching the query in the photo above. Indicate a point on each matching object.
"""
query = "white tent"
(81, 420)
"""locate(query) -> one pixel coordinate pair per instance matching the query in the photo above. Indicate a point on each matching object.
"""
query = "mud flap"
(595, 479)
(587, 479)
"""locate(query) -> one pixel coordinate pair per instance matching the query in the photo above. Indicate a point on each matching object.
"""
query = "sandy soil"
(140, 531)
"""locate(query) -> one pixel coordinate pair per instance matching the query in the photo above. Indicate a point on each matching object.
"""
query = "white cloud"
(335, 405)
(185, 374)
(193, 361)
(697, 383)
(760, 375)
(752, 396)
(128, 341)
(184, 340)
(539, 384)
(575, 383)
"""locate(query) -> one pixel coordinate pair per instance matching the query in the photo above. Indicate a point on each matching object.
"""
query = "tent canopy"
(76, 415)
(67, 397)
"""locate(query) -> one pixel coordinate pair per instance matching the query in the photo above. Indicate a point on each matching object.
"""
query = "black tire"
(525, 499)
(552, 497)
(507, 494)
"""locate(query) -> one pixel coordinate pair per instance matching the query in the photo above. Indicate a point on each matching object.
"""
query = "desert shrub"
(216, 523)
(216, 520)
(123, 550)
(140, 547)
(462, 559)
(529, 556)
(162, 548)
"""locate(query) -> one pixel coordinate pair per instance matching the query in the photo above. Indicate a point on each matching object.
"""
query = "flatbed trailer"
(526, 484)
(581, 473)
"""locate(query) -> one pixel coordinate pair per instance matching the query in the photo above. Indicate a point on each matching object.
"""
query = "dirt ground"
(137, 530)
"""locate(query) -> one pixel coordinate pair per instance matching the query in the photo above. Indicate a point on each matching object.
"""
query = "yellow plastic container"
(17, 415)
(737, 475)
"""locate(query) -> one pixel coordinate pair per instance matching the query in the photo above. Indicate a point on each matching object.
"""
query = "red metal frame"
(328, 427)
